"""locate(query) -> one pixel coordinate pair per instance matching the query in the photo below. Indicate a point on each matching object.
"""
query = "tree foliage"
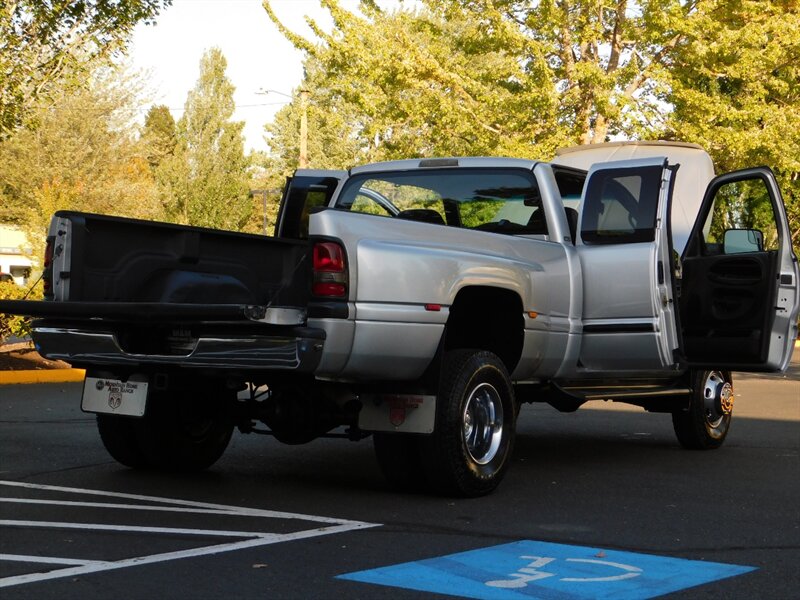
(332, 126)
(82, 156)
(45, 46)
(521, 78)
(16, 325)
(735, 90)
(159, 135)
(424, 84)
(205, 181)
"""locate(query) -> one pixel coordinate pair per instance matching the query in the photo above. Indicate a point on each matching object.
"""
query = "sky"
(259, 57)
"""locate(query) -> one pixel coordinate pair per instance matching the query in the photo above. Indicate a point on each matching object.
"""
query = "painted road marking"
(74, 566)
(531, 572)
(48, 560)
(530, 569)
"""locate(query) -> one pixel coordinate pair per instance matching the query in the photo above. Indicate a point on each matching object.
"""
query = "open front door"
(739, 284)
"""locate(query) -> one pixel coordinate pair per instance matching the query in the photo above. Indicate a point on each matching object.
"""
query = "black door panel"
(737, 270)
(729, 305)
(724, 306)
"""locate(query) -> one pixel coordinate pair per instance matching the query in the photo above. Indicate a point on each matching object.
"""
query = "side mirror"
(737, 241)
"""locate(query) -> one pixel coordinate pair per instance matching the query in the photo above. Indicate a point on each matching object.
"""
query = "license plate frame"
(106, 395)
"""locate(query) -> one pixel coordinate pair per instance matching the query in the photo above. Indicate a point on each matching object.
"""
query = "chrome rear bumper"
(299, 350)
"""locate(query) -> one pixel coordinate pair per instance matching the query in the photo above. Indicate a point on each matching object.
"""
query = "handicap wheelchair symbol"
(531, 572)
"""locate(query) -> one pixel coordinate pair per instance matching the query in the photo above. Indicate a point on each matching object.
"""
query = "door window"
(620, 207)
(741, 220)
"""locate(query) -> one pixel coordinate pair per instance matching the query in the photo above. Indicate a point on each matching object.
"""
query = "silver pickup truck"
(422, 302)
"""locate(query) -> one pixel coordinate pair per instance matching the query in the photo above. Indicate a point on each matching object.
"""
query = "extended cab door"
(739, 283)
(629, 320)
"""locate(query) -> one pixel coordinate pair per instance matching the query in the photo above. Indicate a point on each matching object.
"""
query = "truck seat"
(572, 221)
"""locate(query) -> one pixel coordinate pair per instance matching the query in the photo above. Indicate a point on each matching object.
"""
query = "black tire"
(399, 459)
(707, 421)
(121, 441)
(471, 446)
(184, 431)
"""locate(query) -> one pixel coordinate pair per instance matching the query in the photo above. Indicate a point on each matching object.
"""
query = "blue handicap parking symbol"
(530, 569)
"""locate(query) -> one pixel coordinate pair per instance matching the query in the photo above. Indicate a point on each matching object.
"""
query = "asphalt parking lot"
(599, 503)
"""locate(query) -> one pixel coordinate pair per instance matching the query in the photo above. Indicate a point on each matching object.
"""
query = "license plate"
(115, 397)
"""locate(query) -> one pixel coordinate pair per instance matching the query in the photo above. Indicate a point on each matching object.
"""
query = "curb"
(43, 376)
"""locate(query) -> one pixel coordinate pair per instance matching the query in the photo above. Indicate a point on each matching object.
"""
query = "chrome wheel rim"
(483, 423)
(717, 401)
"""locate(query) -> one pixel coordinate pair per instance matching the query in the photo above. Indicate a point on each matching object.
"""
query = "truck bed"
(134, 293)
(129, 260)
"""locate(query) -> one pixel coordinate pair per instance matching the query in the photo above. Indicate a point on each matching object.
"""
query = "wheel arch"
(489, 318)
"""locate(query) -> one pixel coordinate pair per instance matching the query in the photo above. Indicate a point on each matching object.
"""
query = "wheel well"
(487, 318)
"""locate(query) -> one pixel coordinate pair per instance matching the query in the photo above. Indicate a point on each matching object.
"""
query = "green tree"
(424, 84)
(496, 77)
(333, 129)
(735, 89)
(47, 46)
(206, 181)
(159, 135)
(83, 156)
(521, 78)
(266, 187)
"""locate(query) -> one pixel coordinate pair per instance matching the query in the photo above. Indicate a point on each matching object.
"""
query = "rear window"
(498, 200)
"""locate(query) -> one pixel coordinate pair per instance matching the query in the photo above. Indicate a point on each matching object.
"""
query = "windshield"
(499, 200)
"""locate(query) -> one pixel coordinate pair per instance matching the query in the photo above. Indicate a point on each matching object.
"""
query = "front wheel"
(705, 424)
(470, 449)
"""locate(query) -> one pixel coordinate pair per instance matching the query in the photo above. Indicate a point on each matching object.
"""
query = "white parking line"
(49, 560)
(233, 510)
(134, 528)
(145, 507)
(77, 566)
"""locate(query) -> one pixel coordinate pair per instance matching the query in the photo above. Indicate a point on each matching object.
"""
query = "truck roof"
(429, 163)
(610, 149)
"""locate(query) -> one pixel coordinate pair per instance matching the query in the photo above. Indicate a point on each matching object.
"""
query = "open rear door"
(307, 190)
(739, 282)
(629, 321)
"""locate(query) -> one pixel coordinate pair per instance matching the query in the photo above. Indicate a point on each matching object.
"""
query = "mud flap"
(402, 413)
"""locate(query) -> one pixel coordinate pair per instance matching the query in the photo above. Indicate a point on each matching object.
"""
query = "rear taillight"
(47, 273)
(330, 270)
(48, 252)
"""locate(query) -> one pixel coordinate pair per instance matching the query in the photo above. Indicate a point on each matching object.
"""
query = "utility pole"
(303, 160)
(263, 193)
(263, 205)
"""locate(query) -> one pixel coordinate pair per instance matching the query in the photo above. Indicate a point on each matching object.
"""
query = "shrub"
(13, 324)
